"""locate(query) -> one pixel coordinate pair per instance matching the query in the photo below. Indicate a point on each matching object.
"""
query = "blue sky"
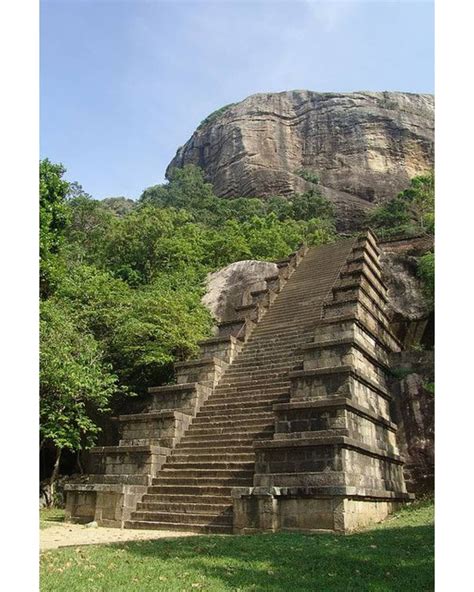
(125, 82)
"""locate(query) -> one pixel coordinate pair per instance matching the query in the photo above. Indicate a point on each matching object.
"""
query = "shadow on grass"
(380, 560)
(50, 516)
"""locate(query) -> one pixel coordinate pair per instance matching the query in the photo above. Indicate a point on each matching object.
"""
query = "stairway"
(192, 491)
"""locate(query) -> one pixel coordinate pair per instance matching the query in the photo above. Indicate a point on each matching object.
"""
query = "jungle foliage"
(121, 284)
(410, 213)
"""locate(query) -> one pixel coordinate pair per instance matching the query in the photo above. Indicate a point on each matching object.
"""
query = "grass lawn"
(395, 555)
(50, 516)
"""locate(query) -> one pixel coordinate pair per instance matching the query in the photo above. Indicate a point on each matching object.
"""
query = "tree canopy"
(122, 281)
(410, 212)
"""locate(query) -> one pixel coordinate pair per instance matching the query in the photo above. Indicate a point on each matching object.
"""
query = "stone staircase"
(207, 453)
(193, 489)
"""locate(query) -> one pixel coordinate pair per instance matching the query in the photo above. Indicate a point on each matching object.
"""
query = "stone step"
(190, 507)
(223, 425)
(185, 464)
(236, 412)
(261, 363)
(251, 384)
(220, 490)
(228, 481)
(178, 456)
(230, 436)
(235, 433)
(203, 528)
(236, 444)
(230, 428)
(224, 418)
(242, 407)
(259, 372)
(246, 402)
(197, 450)
(203, 418)
(236, 395)
(185, 499)
(207, 475)
(210, 518)
(263, 358)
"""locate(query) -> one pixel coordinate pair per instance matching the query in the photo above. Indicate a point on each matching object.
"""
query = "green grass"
(396, 555)
(50, 517)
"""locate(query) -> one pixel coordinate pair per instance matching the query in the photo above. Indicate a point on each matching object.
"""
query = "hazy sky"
(125, 82)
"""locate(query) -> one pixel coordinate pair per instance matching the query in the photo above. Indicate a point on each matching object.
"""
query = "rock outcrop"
(410, 313)
(363, 146)
(226, 288)
(414, 414)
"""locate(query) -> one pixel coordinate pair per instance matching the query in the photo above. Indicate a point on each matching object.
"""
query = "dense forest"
(121, 281)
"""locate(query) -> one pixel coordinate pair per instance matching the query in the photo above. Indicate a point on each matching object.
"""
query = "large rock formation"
(364, 146)
(410, 312)
(227, 287)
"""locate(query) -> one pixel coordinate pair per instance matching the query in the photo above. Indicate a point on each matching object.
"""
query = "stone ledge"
(165, 414)
(343, 370)
(211, 361)
(347, 341)
(358, 251)
(361, 273)
(211, 340)
(344, 441)
(143, 479)
(168, 388)
(105, 487)
(361, 290)
(272, 278)
(369, 236)
(259, 292)
(337, 402)
(245, 307)
(355, 318)
(384, 323)
(350, 298)
(325, 492)
(373, 266)
(125, 449)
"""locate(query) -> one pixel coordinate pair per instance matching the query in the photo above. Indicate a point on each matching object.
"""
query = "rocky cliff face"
(364, 146)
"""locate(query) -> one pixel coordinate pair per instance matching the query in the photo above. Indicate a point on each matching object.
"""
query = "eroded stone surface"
(408, 307)
(365, 146)
(226, 287)
(414, 406)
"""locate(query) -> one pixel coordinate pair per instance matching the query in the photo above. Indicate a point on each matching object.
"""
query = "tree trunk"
(54, 475)
(79, 463)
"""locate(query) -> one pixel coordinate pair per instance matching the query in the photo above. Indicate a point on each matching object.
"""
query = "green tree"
(186, 188)
(311, 204)
(91, 222)
(74, 381)
(426, 271)
(392, 217)
(410, 212)
(420, 197)
(53, 220)
(120, 206)
(150, 240)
